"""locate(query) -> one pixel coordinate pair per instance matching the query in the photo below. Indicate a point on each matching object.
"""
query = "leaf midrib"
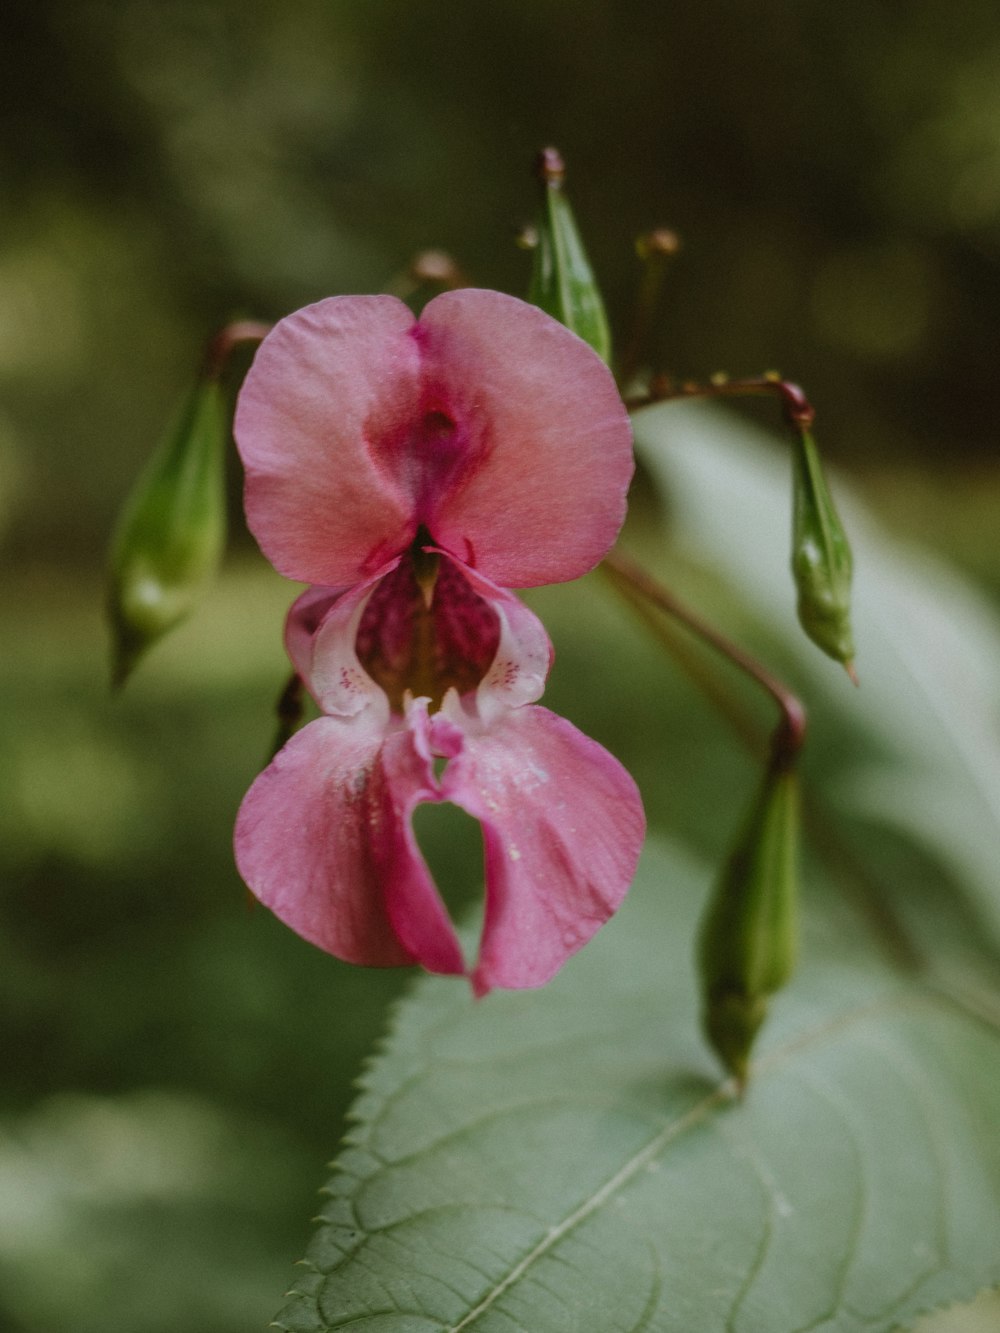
(726, 1091)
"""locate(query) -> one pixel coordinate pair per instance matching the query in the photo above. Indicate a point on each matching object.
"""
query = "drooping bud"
(562, 281)
(748, 936)
(821, 557)
(169, 539)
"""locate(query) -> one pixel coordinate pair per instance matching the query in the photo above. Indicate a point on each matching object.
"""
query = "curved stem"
(790, 733)
(798, 411)
(656, 249)
(861, 888)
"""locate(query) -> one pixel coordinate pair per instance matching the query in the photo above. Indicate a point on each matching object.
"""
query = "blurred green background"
(176, 1064)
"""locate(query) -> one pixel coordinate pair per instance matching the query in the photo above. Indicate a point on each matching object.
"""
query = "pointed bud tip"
(731, 1022)
(852, 674)
(124, 661)
(127, 646)
(550, 167)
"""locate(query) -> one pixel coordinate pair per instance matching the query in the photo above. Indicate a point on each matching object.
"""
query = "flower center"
(426, 630)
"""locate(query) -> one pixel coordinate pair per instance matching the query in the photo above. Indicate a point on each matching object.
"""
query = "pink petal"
(303, 843)
(523, 656)
(418, 915)
(538, 494)
(562, 827)
(331, 390)
(321, 634)
(323, 838)
(304, 618)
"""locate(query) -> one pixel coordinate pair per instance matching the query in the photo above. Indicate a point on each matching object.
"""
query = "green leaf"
(563, 1160)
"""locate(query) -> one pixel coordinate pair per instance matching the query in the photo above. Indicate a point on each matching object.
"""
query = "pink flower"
(413, 470)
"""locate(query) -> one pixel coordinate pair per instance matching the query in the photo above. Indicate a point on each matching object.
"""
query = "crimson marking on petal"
(406, 645)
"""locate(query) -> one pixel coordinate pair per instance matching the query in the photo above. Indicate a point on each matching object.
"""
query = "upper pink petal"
(562, 829)
(332, 392)
(323, 838)
(537, 491)
(487, 421)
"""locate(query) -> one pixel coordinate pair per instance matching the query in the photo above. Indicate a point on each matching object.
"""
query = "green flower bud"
(562, 281)
(169, 538)
(821, 558)
(748, 936)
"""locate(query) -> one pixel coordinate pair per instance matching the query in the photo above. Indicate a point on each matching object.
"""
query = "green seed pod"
(821, 558)
(747, 943)
(169, 539)
(562, 281)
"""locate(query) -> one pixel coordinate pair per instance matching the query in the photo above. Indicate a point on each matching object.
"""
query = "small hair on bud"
(660, 242)
(549, 167)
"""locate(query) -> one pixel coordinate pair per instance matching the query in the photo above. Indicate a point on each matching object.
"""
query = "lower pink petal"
(418, 915)
(562, 828)
(323, 839)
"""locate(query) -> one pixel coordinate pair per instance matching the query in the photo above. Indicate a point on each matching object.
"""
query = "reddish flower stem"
(427, 269)
(798, 411)
(865, 893)
(656, 250)
(224, 342)
(289, 708)
(789, 735)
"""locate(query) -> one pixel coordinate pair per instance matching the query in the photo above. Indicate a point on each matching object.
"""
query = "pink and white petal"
(524, 653)
(562, 827)
(538, 494)
(330, 399)
(304, 842)
(324, 650)
(305, 615)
